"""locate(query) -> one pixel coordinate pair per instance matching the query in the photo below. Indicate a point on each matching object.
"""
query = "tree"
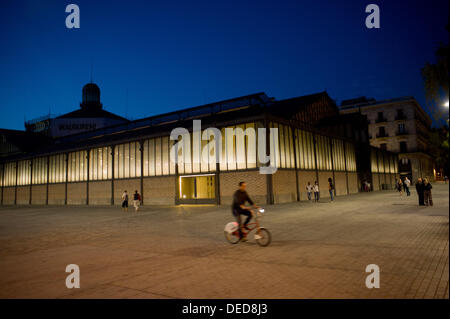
(440, 148)
(436, 82)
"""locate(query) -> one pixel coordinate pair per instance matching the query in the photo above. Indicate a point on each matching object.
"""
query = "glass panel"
(240, 147)
(158, 156)
(132, 159)
(251, 145)
(223, 155)
(196, 153)
(152, 160)
(138, 159)
(165, 155)
(171, 163)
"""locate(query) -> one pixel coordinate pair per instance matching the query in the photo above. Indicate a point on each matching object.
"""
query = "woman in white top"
(309, 190)
(316, 191)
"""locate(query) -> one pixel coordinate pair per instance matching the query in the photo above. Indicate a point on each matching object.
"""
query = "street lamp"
(446, 104)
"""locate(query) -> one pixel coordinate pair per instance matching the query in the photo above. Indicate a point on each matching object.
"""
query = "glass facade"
(238, 150)
(24, 172)
(350, 157)
(338, 155)
(77, 163)
(382, 162)
(127, 160)
(100, 164)
(305, 150)
(374, 161)
(156, 157)
(323, 153)
(57, 167)
(285, 155)
(9, 178)
(40, 170)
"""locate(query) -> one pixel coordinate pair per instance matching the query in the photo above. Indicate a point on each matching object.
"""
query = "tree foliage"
(436, 82)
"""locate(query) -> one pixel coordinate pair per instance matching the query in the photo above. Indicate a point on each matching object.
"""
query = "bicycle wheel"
(232, 238)
(265, 239)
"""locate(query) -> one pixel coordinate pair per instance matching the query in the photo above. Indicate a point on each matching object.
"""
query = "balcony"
(400, 133)
(381, 120)
(401, 117)
(382, 135)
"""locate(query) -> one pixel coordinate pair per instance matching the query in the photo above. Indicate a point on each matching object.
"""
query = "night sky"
(151, 57)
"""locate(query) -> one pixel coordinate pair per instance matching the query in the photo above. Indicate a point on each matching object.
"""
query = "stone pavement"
(318, 250)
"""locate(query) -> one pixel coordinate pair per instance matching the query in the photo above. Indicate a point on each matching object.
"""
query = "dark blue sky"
(169, 55)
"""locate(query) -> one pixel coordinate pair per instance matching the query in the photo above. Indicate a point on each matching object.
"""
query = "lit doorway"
(197, 189)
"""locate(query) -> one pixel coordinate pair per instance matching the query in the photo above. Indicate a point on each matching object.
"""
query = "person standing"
(125, 201)
(331, 188)
(316, 192)
(420, 190)
(400, 186)
(427, 192)
(406, 184)
(136, 200)
(309, 190)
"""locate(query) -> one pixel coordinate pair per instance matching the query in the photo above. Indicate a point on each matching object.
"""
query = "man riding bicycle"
(240, 197)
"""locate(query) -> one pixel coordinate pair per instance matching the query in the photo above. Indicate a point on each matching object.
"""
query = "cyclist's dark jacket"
(239, 198)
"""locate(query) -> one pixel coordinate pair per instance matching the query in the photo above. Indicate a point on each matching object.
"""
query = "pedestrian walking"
(366, 186)
(427, 192)
(406, 184)
(125, 201)
(400, 186)
(331, 188)
(420, 191)
(136, 200)
(316, 192)
(309, 190)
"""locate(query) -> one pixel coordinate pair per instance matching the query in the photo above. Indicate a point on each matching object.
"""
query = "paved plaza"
(318, 250)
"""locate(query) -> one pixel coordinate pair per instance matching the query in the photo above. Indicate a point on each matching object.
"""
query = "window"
(401, 128)
(400, 115)
(380, 116)
(383, 146)
(382, 131)
(403, 147)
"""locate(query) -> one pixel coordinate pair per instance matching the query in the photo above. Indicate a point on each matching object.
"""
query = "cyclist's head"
(242, 186)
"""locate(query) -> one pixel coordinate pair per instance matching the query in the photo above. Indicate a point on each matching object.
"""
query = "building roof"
(92, 113)
(23, 140)
(364, 102)
(293, 105)
(252, 107)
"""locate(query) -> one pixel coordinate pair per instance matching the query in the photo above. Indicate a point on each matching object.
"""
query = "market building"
(94, 165)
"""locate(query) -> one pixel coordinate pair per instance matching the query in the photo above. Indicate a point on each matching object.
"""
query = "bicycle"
(262, 236)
